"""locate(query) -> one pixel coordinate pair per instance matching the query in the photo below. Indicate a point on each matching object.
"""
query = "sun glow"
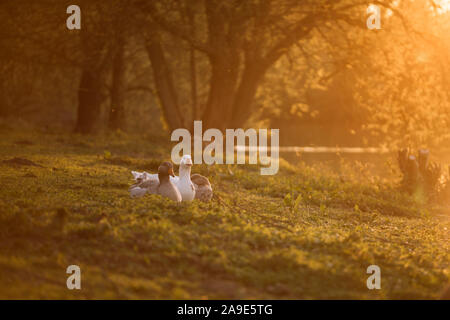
(443, 6)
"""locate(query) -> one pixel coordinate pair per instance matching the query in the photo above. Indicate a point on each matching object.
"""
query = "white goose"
(183, 182)
(199, 187)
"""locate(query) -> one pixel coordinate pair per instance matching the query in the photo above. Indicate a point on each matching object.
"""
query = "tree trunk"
(90, 99)
(243, 106)
(164, 84)
(224, 78)
(193, 68)
(90, 89)
(117, 109)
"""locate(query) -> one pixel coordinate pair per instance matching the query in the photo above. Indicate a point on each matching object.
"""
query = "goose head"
(165, 170)
(186, 161)
(185, 165)
(140, 176)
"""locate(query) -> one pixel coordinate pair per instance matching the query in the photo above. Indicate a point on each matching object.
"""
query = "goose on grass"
(162, 186)
(190, 187)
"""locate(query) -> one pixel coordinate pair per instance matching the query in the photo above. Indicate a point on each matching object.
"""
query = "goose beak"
(171, 172)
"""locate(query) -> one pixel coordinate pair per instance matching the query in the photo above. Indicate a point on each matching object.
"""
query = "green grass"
(300, 234)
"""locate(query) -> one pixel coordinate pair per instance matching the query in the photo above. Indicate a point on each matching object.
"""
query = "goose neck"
(185, 172)
(163, 178)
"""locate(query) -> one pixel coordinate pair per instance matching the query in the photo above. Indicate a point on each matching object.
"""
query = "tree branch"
(176, 30)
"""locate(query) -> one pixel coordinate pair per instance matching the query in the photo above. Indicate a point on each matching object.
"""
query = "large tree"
(241, 40)
(102, 44)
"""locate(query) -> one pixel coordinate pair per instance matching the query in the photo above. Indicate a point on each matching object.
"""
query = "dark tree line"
(208, 58)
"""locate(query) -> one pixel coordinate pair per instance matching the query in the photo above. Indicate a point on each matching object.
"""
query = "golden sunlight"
(442, 6)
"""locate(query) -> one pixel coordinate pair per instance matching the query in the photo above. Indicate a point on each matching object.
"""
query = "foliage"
(309, 67)
(303, 233)
(423, 178)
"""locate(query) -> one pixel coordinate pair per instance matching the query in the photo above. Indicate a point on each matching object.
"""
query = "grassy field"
(304, 233)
